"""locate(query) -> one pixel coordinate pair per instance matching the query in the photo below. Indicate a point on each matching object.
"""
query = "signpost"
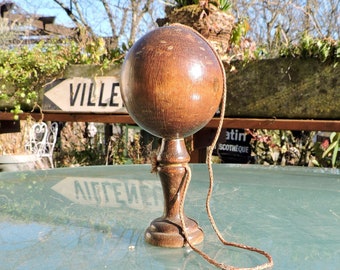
(233, 146)
(78, 94)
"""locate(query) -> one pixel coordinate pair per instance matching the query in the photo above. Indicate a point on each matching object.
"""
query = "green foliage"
(324, 49)
(25, 70)
(223, 5)
(242, 48)
(240, 30)
(20, 71)
(333, 148)
(282, 147)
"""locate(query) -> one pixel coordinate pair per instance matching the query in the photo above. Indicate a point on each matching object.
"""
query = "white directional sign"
(98, 95)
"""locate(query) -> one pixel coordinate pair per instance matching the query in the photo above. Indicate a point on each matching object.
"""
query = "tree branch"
(68, 11)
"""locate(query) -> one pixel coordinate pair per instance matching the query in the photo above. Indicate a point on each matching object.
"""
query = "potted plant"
(212, 19)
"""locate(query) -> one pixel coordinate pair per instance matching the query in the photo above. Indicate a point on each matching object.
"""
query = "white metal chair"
(42, 139)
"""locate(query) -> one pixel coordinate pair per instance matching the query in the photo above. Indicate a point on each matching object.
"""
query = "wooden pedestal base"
(163, 232)
(166, 231)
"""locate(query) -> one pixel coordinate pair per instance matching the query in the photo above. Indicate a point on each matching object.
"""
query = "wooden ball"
(172, 82)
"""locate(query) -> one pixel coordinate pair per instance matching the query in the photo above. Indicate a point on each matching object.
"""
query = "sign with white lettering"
(107, 192)
(97, 95)
(233, 146)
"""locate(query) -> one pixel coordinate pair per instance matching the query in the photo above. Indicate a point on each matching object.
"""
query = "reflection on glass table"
(95, 217)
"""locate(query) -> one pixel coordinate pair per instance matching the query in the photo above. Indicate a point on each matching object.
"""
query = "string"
(187, 179)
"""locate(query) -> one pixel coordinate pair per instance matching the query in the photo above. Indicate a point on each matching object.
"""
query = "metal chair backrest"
(50, 142)
(42, 139)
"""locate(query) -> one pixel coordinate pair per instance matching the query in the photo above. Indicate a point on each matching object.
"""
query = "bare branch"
(68, 11)
(109, 15)
(82, 19)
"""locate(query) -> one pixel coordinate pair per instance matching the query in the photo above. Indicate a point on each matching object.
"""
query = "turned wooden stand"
(166, 231)
(172, 83)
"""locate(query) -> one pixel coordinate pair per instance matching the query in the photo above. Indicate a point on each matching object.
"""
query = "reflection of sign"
(99, 94)
(108, 192)
(233, 146)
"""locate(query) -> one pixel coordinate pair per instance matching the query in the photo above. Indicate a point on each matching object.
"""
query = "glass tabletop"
(95, 217)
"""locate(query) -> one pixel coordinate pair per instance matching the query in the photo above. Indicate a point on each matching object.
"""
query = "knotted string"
(186, 182)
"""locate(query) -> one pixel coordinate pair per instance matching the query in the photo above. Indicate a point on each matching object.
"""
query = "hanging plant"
(25, 70)
(211, 19)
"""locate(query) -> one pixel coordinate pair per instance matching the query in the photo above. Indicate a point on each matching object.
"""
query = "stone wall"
(284, 88)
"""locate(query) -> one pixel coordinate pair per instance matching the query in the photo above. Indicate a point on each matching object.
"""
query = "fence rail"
(255, 123)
